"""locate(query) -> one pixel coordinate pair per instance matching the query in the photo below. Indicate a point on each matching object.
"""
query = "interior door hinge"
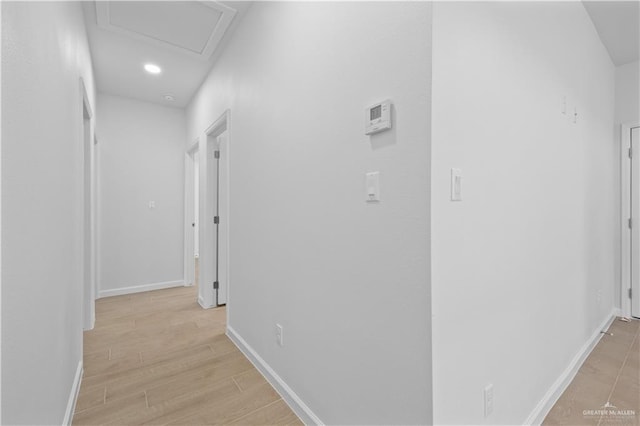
(216, 285)
(216, 219)
(630, 292)
(630, 223)
(630, 153)
(216, 154)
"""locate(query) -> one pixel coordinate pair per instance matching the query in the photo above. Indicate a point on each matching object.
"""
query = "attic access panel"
(191, 27)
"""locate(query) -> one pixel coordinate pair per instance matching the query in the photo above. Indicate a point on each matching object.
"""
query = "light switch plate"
(279, 335)
(456, 185)
(488, 400)
(372, 187)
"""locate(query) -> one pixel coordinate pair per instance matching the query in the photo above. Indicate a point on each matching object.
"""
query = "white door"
(221, 209)
(635, 217)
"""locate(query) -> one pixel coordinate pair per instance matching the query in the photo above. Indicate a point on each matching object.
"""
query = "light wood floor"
(159, 358)
(611, 374)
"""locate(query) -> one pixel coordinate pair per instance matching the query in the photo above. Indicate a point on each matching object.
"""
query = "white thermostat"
(377, 117)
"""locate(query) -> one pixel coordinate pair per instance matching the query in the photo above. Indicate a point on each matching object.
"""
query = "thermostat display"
(376, 112)
(377, 118)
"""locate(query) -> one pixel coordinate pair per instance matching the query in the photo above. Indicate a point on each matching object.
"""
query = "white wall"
(44, 54)
(519, 262)
(349, 281)
(628, 93)
(141, 150)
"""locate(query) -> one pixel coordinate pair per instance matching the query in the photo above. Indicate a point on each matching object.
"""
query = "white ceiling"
(618, 24)
(184, 38)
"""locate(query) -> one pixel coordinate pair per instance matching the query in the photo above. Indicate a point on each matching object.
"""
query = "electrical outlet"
(488, 400)
(279, 335)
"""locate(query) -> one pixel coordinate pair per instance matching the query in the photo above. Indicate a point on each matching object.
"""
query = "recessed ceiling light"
(169, 98)
(152, 68)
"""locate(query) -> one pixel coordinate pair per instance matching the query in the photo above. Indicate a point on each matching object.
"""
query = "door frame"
(189, 202)
(625, 209)
(206, 296)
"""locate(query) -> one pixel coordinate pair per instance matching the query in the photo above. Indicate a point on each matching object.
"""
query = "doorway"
(633, 289)
(89, 213)
(192, 201)
(196, 216)
(207, 214)
(213, 231)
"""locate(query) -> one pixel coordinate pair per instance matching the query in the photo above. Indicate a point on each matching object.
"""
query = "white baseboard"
(73, 396)
(288, 395)
(560, 385)
(93, 320)
(139, 288)
(202, 304)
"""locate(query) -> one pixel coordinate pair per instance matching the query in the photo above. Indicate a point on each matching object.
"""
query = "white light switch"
(152, 204)
(456, 185)
(372, 186)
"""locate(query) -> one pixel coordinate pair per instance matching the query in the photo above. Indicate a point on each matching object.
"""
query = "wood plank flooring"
(159, 358)
(606, 390)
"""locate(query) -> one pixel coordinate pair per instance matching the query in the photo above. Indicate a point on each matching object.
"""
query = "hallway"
(158, 357)
(414, 212)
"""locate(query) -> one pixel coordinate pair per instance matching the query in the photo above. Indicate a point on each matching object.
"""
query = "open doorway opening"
(212, 218)
(192, 213)
(89, 212)
(196, 208)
